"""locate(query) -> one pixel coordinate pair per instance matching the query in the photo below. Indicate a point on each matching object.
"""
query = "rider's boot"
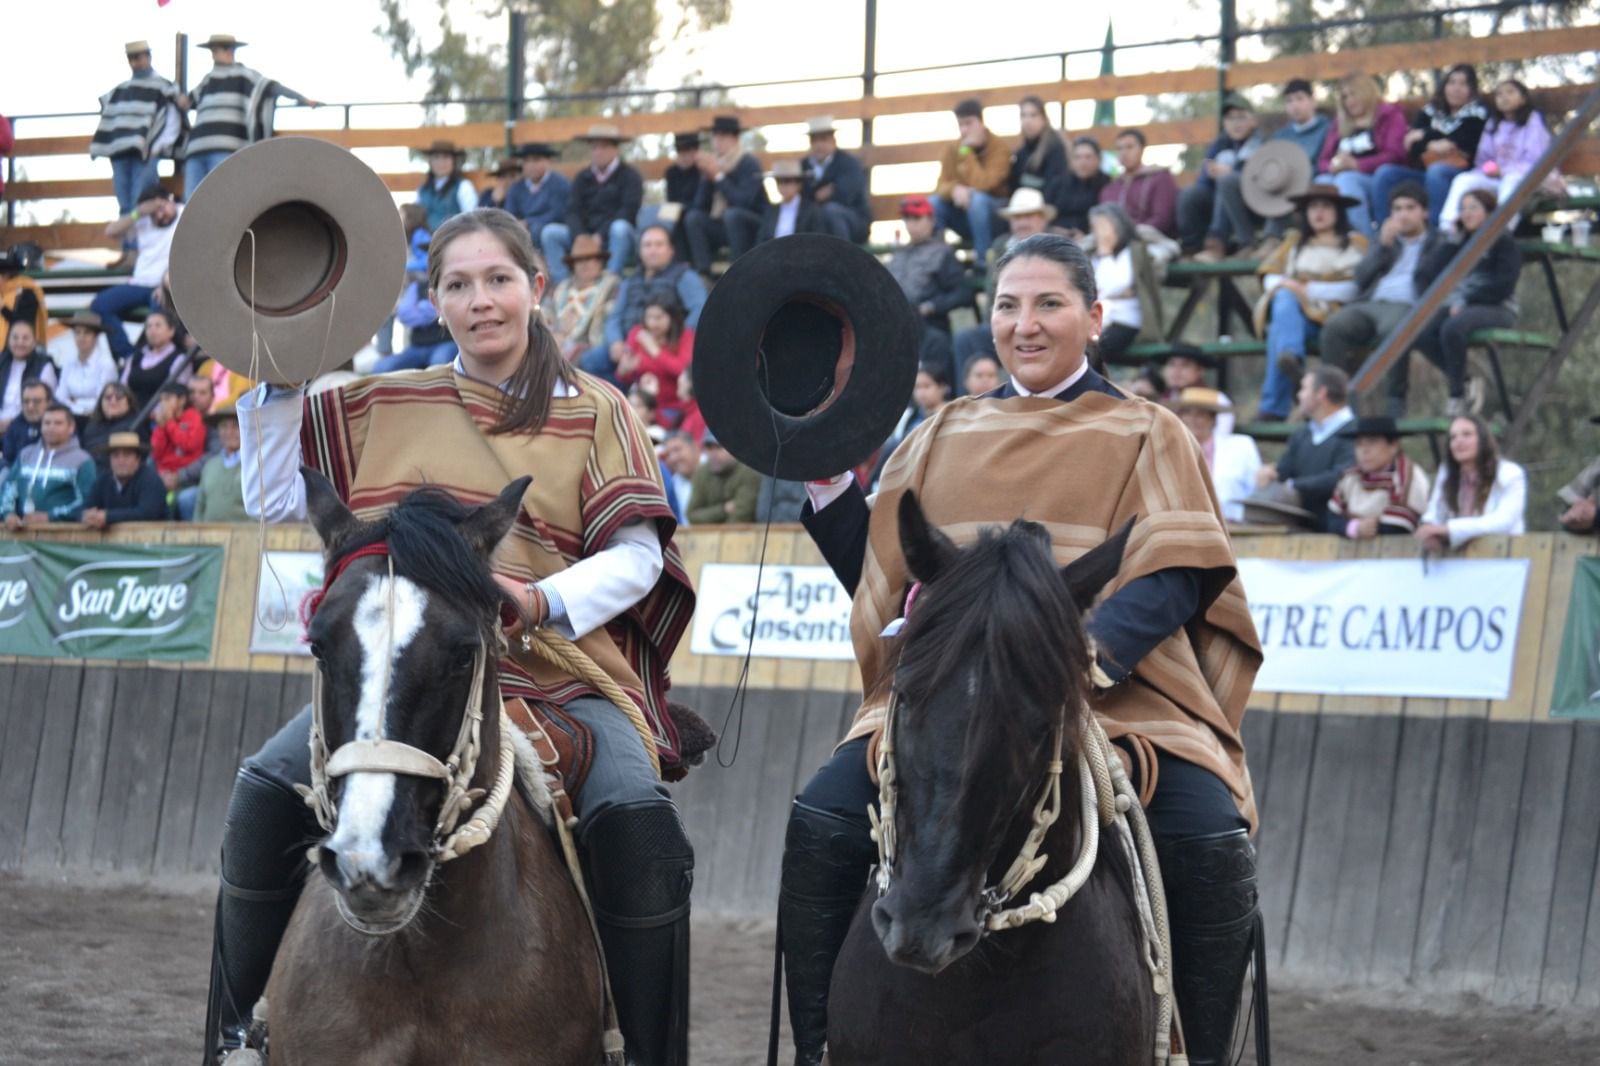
(826, 860)
(263, 867)
(1211, 904)
(640, 869)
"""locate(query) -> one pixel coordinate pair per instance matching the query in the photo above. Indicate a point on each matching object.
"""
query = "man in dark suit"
(793, 213)
(540, 197)
(605, 202)
(837, 183)
(727, 210)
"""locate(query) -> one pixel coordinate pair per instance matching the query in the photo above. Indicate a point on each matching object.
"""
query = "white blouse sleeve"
(1436, 515)
(1507, 504)
(269, 454)
(593, 591)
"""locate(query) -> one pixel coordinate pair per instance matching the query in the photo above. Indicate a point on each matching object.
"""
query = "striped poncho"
(234, 106)
(1082, 469)
(133, 117)
(594, 471)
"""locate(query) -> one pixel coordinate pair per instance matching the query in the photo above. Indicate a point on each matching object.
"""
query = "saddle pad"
(565, 746)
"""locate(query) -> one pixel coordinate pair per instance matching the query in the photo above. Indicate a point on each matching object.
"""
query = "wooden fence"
(1377, 60)
(1447, 844)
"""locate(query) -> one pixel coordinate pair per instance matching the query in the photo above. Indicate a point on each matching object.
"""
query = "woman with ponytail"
(591, 556)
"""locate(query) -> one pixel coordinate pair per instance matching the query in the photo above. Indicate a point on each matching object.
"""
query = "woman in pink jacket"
(1511, 144)
(1367, 134)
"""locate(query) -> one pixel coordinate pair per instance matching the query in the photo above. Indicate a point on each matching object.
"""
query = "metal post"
(1227, 42)
(516, 65)
(180, 66)
(869, 69)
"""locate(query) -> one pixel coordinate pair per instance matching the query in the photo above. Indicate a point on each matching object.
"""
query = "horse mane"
(1001, 603)
(426, 544)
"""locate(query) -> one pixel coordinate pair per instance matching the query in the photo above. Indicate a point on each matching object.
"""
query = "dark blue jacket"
(142, 499)
(596, 204)
(849, 180)
(743, 186)
(538, 209)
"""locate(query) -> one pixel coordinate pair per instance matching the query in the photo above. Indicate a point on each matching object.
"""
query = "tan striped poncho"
(1081, 469)
(593, 471)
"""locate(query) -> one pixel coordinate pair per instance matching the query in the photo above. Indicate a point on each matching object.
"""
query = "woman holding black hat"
(978, 461)
(1303, 282)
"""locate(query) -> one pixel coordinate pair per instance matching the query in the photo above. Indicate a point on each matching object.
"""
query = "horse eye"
(317, 652)
(463, 659)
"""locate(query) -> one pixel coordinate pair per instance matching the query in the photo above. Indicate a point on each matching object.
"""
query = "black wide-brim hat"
(805, 357)
(1373, 426)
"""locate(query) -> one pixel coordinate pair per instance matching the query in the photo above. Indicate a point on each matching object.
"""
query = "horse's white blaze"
(367, 797)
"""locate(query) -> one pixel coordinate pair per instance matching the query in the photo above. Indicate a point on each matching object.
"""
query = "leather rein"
(452, 838)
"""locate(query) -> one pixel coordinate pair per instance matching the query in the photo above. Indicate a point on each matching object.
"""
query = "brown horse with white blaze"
(407, 950)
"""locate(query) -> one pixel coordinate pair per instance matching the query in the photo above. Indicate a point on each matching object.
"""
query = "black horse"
(993, 652)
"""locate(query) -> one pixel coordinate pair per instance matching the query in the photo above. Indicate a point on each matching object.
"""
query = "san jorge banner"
(1577, 689)
(108, 601)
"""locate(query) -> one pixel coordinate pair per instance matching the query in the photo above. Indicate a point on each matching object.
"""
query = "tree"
(580, 53)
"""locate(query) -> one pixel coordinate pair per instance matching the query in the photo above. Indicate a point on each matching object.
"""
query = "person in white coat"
(1476, 494)
(89, 370)
(1232, 458)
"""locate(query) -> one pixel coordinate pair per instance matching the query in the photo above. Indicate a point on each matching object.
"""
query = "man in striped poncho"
(233, 106)
(140, 123)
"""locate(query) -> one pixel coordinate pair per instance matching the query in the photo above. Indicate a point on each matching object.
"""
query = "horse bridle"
(452, 838)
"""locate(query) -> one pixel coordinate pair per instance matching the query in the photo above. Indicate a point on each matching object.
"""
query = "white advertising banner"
(281, 586)
(1387, 627)
(801, 612)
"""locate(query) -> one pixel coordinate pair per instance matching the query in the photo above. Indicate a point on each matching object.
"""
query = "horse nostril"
(884, 925)
(409, 869)
(964, 942)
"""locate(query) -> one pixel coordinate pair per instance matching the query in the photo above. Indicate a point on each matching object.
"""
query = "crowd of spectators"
(1341, 261)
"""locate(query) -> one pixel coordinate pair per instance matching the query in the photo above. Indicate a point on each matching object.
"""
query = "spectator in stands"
(202, 395)
(428, 341)
(1580, 495)
(837, 183)
(793, 213)
(692, 422)
(973, 178)
(1485, 299)
(497, 193)
(576, 312)
(446, 191)
(727, 210)
(1040, 161)
(1384, 493)
(1369, 133)
(926, 267)
(1125, 278)
(1148, 194)
(540, 199)
(21, 298)
(21, 362)
(1477, 493)
(414, 221)
(129, 490)
(51, 478)
(1305, 125)
(1306, 279)
(982, 373)
(1441, 144)
(220, 493)
(722, 490)
(931, 391)
(1396, 270)
(1149, 384)
(1317, 455)
(1212, 217)
(658, 273)
(140, 123)
(23, 430)
(1078, 190)
(114, 412)
(660, 348)
(1185, 368)
(680, 454)
(605, 200)
(153, 223)
(91, 370)
(1511, 144)
(682, 184)
(159, 358)
(179, 436)
(1028, 213)
(1232, 458)
(233, 106)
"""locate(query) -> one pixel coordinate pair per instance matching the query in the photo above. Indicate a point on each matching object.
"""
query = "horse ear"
(332, 520)
(1088, 573)
(486, 527)
(927, 550)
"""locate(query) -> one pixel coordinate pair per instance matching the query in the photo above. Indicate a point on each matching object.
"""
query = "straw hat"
(222, 40)
(1273, 174)
(126, 441)
(787, 170)
(1195, 398)
(585, 246)
(88, 320)
(134, 48)
(603, 131)
(1272, 504)
(323, 270)
(821, 126)
(1026, 201)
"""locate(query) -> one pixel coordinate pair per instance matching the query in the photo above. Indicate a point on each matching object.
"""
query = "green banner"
(108, 601)
(1577, 689)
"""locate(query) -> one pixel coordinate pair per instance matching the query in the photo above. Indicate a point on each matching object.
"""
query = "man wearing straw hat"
(128, 490)
(140, 124)
(233, 106)
(604, 203)
(837, 183)
(793, 213)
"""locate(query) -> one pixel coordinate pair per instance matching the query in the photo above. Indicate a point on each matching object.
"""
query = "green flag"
(1577, 689)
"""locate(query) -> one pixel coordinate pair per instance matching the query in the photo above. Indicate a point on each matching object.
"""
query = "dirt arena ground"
(117, 973)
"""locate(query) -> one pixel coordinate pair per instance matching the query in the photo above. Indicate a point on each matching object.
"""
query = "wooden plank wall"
(1447, 845)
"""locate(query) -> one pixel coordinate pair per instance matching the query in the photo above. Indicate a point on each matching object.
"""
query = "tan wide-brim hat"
(1026, 201)
(222, 40)
(323, 270)
(1275, 173)
(1275, 504)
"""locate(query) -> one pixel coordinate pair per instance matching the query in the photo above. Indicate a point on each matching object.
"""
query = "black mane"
(427, 547)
